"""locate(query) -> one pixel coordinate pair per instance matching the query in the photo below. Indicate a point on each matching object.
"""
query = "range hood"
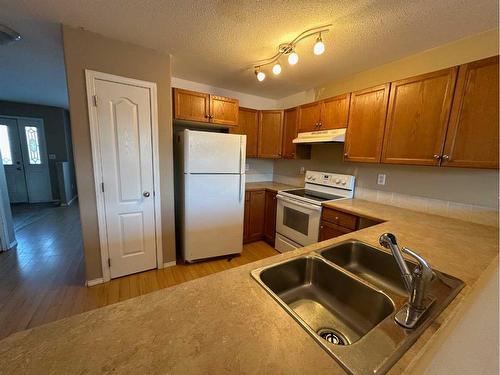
(321, 136)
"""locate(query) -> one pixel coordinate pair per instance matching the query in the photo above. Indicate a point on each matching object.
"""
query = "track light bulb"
(277, 69)
(260, 75)
(293, 58)
(319, 46)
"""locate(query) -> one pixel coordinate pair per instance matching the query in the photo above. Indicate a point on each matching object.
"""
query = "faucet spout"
(416, 283)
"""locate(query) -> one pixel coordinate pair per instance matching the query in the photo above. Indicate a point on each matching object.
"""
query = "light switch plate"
(381, 179)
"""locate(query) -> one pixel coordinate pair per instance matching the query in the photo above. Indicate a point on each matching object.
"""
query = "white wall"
(246, 100)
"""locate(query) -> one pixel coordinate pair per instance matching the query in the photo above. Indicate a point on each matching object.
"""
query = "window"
(33, 144)
(5, 145)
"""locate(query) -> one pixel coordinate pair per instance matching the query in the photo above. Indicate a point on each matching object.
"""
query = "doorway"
(24, 157)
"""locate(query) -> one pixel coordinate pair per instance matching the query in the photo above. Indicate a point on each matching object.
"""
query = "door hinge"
(109, 262)
(102, 187)
(94, 99)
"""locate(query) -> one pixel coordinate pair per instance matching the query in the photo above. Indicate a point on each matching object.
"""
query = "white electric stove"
(298, 213)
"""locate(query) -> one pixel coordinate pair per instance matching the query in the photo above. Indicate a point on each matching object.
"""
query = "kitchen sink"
(369, 263)
(346, 297)
(327, 299)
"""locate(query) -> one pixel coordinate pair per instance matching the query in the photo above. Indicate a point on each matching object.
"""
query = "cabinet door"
(365, 132)
(417, 119)
(191, 105)
(309, 117)
(270, 134)
(289, 133)
(472, 139)
(335, 112)
(328, 230)
(248, 124)
(223, 111)
(270, 218)
(256, 215)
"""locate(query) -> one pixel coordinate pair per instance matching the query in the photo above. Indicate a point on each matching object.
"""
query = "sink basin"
(346, 297)
(327, 299)
(373, 265)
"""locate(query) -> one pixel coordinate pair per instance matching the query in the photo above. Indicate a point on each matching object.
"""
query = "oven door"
(297, 220)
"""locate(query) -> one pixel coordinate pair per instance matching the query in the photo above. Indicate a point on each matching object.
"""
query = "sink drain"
(332, 336)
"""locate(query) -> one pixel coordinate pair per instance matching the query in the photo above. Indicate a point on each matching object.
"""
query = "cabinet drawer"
(340, 218)
(328, 230)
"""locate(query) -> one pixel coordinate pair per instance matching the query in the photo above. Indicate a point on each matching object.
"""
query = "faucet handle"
(423, 266)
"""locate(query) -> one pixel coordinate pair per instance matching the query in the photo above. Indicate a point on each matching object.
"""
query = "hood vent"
(321, 136)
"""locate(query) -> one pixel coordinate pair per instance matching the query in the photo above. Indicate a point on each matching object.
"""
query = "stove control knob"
(344, 182)
(337, 181)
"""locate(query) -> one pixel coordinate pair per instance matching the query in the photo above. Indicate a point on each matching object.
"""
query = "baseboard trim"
(93, 282)
(169, 264)
(70, 201)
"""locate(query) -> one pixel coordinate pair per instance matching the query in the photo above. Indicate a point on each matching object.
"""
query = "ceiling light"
(319, 46)
(260, 75)
(7, 35)
(277, 68)
(293, 58)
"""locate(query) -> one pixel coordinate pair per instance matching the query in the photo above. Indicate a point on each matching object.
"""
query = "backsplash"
(259, 170)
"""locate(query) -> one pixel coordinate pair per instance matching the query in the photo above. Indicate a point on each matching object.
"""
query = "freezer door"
(213, 215)
(206, 152)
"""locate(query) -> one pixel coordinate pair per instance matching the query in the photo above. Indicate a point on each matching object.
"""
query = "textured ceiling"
(217, 41)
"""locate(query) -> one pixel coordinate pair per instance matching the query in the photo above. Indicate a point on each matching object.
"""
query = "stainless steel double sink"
(346, 296)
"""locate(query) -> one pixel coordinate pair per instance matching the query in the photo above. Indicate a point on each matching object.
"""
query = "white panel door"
(36, 163)
(213, 215)
(207, 152)
(12, 160)
(125, 126)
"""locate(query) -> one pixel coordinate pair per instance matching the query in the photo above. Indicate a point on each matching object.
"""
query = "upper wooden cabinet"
(289, 133)
(472, 138)
(200, 107)
(331, 113)
(270, 134)
(191, 105)
(334, 112)
(248, 124)
(223, 111)
(417, 119)
(365, 132)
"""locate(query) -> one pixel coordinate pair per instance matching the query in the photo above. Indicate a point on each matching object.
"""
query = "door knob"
(146, 194)
(19, 168)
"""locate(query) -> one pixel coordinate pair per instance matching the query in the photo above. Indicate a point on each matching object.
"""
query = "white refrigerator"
(211, 193)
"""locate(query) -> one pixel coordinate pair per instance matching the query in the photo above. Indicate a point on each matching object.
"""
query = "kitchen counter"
(267, 185)
(226, 323)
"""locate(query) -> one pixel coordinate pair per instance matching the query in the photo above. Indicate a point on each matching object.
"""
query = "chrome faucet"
(416, 282)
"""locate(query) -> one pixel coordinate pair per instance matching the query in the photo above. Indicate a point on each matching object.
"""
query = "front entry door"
(24, 156)
(124, 121)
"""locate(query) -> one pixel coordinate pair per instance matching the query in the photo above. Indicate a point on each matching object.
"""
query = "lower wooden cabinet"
(328, 230)
(336, 223)
(255, 204)
(270, 217)
(260, 216)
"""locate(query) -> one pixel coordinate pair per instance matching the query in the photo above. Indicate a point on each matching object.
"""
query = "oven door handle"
(300, 204)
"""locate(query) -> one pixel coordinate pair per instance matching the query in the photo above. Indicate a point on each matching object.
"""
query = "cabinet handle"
(321, 227)
(446, 157)
(437, 157)
(346, 155)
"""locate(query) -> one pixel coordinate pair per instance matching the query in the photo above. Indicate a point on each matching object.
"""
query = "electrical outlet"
(381, 179)
(302, 170)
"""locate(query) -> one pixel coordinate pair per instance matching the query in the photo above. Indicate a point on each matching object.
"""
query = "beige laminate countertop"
(267, 185)
(226, 323)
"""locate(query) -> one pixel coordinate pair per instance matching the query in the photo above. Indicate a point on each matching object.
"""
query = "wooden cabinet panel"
(223, 111)
(309, 117)
(256, 215)
(328, 230)
(417, 118)
(335, 112)
(270, 217)
(472, 138)
(340, 218)
(246, 218)
(248, 124)
(270, 134)
(289, 133)
(365, 132)
(191, 105)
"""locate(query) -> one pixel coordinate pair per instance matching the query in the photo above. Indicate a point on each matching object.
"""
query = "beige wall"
(469, 186)
(86, 50)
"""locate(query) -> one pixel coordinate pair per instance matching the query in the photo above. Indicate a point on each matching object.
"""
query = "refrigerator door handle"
(241, 190)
